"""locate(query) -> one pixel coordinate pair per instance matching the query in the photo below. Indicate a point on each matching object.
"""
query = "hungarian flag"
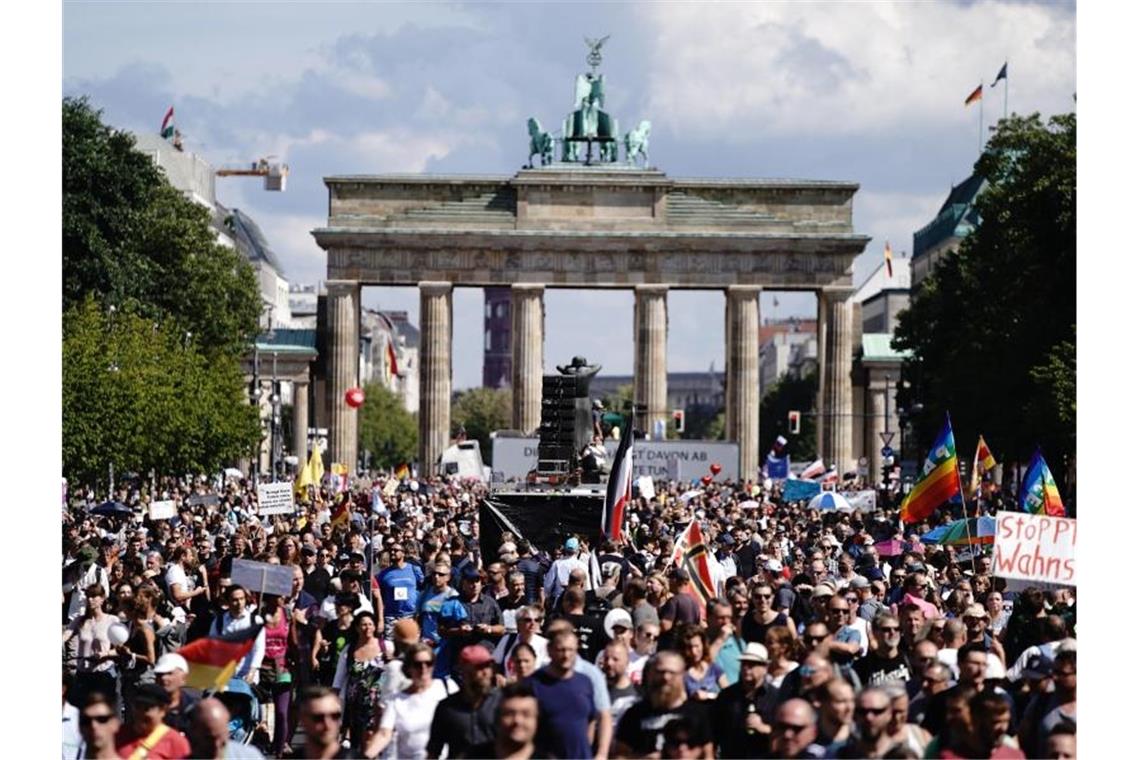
(887, 257)
(983, 463)
(213, 660)
(1039, 493)
(167, 130)
(938, 482)
(619, 490)
(974, 96)
(690, 553)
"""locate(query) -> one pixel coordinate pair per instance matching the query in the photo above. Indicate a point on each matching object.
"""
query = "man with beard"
(566, 703)
(742, 714)
(467, 718)
(516, 724)
(641, 731)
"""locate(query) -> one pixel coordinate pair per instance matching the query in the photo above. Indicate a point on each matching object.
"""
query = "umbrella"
(112, 509)
(233, 472)
(829, 501)
(975, 530)
(750, 504)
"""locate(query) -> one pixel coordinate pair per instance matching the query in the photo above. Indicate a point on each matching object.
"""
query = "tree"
(132, 240)
(480, 412)
(156, 316)
(790, 393)
(138, 395)
(992, 330)
(385, 428)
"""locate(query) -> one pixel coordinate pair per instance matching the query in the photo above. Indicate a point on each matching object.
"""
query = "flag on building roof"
(619, 491)
(690, 553)
(983, 462)
(974, 96)
(167, 130)
(1039, 493)
(391, 365)
(1001, 75)
(214, 659)
(938, 482)
(887, 258)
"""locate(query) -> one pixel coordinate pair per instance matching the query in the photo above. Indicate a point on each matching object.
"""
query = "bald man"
(794, 731)
(209, 734)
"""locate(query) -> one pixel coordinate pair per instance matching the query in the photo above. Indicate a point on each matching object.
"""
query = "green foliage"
(993, 329)
(790, 393)
(714, 431)
(481, 411)
(385, 428)
(157, 315)
(132, 240)
(138, 394)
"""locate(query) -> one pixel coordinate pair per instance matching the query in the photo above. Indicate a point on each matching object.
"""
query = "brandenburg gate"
(592, 223)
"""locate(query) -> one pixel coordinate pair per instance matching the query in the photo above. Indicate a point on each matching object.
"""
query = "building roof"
(878, 281)
(250, 240)
(877, 348)
(956, 218)
(287, 339)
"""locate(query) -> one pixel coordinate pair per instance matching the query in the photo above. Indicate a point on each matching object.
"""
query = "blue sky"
(870, 92)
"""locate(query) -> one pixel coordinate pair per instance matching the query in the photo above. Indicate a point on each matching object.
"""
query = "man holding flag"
(619, 491)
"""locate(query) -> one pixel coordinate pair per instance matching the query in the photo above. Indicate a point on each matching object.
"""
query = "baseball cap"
(616, 617)
(822, 590)
(1037, 667)
(170, 662)
(773, 566)
(974, 610)
(308, 549)
(571, 544)
(475, 656)
(859, 582)
(679, 574)
(470, 573)
(755, 652)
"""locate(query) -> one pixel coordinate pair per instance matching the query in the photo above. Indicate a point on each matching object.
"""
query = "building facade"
(496, 337)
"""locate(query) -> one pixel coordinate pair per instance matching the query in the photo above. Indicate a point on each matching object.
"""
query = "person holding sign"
(400, 585)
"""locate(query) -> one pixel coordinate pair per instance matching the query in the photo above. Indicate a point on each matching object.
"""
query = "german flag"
(974, 96)
(213, 660)
(341, 512)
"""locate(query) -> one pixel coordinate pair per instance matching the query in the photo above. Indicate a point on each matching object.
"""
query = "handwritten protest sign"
(162, 510)
(275, 499)
(263, 577)
(645, 486)
(1035, 548)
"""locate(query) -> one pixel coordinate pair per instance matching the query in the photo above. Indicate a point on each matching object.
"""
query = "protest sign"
(275, 499)
(203, 499)
(162, 510)
(796, 490)
(263, 577)
(1035, 548)
(645, 487)
(863, 501)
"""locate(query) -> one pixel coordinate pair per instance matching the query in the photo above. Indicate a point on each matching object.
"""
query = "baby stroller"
(245, 712)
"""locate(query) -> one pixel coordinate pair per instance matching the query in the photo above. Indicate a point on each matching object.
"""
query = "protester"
(641, 731)
(144, 730)
(743, 712)
(409, 715)
(209, 734)
(468, 717)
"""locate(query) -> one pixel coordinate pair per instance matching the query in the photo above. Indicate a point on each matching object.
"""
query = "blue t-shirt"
(427, 609)
(399, 590)
(566, 707)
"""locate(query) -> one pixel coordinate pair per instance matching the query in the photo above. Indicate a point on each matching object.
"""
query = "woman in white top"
(409, 715)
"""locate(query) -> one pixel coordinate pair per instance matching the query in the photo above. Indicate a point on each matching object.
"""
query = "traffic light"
(679, 420)
(794, 422)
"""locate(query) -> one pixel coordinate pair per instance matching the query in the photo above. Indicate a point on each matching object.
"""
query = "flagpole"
(966, 517)
(981, 110)
(1005, 100)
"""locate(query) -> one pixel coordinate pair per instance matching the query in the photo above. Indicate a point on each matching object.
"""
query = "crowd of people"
(400, 638)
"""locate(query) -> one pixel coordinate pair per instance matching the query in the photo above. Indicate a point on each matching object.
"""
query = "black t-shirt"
(459, 727)
(642, 728)
(591, 634)
(533, 574)
(876, 670)
(487, 749)
(317, 583)
(483, 610)
(751, 631)
(729, 718)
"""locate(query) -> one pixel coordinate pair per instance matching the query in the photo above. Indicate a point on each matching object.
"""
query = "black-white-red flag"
(619, 492)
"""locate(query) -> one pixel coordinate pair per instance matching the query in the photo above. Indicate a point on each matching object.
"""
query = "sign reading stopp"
(1036, 548)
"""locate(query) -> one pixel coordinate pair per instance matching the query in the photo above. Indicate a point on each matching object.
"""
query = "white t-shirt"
(410, 715)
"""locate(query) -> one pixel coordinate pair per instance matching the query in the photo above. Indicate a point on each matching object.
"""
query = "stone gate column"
(435, 372)
(835, 349)
(527, 315)
(742, 374)
(875, 423)
(343, 306)
(650, 333)
(301, 421)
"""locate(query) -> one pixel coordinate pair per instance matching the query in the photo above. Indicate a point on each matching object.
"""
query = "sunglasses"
(810, 639)
(422, 663)
(761, 596)
(871, 710)
(441, 575)
(87, 720)
(320, 717)
(647, 635)
(785, 727)
(890, 630)
(530, 620)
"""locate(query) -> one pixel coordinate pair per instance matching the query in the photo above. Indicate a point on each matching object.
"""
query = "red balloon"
(706, 479)
(714, 468)
(354, 397)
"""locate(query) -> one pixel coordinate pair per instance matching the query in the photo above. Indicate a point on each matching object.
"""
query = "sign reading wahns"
(515, 457)
(1035, 548)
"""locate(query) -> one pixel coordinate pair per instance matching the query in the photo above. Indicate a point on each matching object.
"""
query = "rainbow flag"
(938, 483)
(213, 660)
(1039, 493)
(402, 472)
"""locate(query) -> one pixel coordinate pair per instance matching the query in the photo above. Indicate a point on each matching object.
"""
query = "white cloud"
(846, 68)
